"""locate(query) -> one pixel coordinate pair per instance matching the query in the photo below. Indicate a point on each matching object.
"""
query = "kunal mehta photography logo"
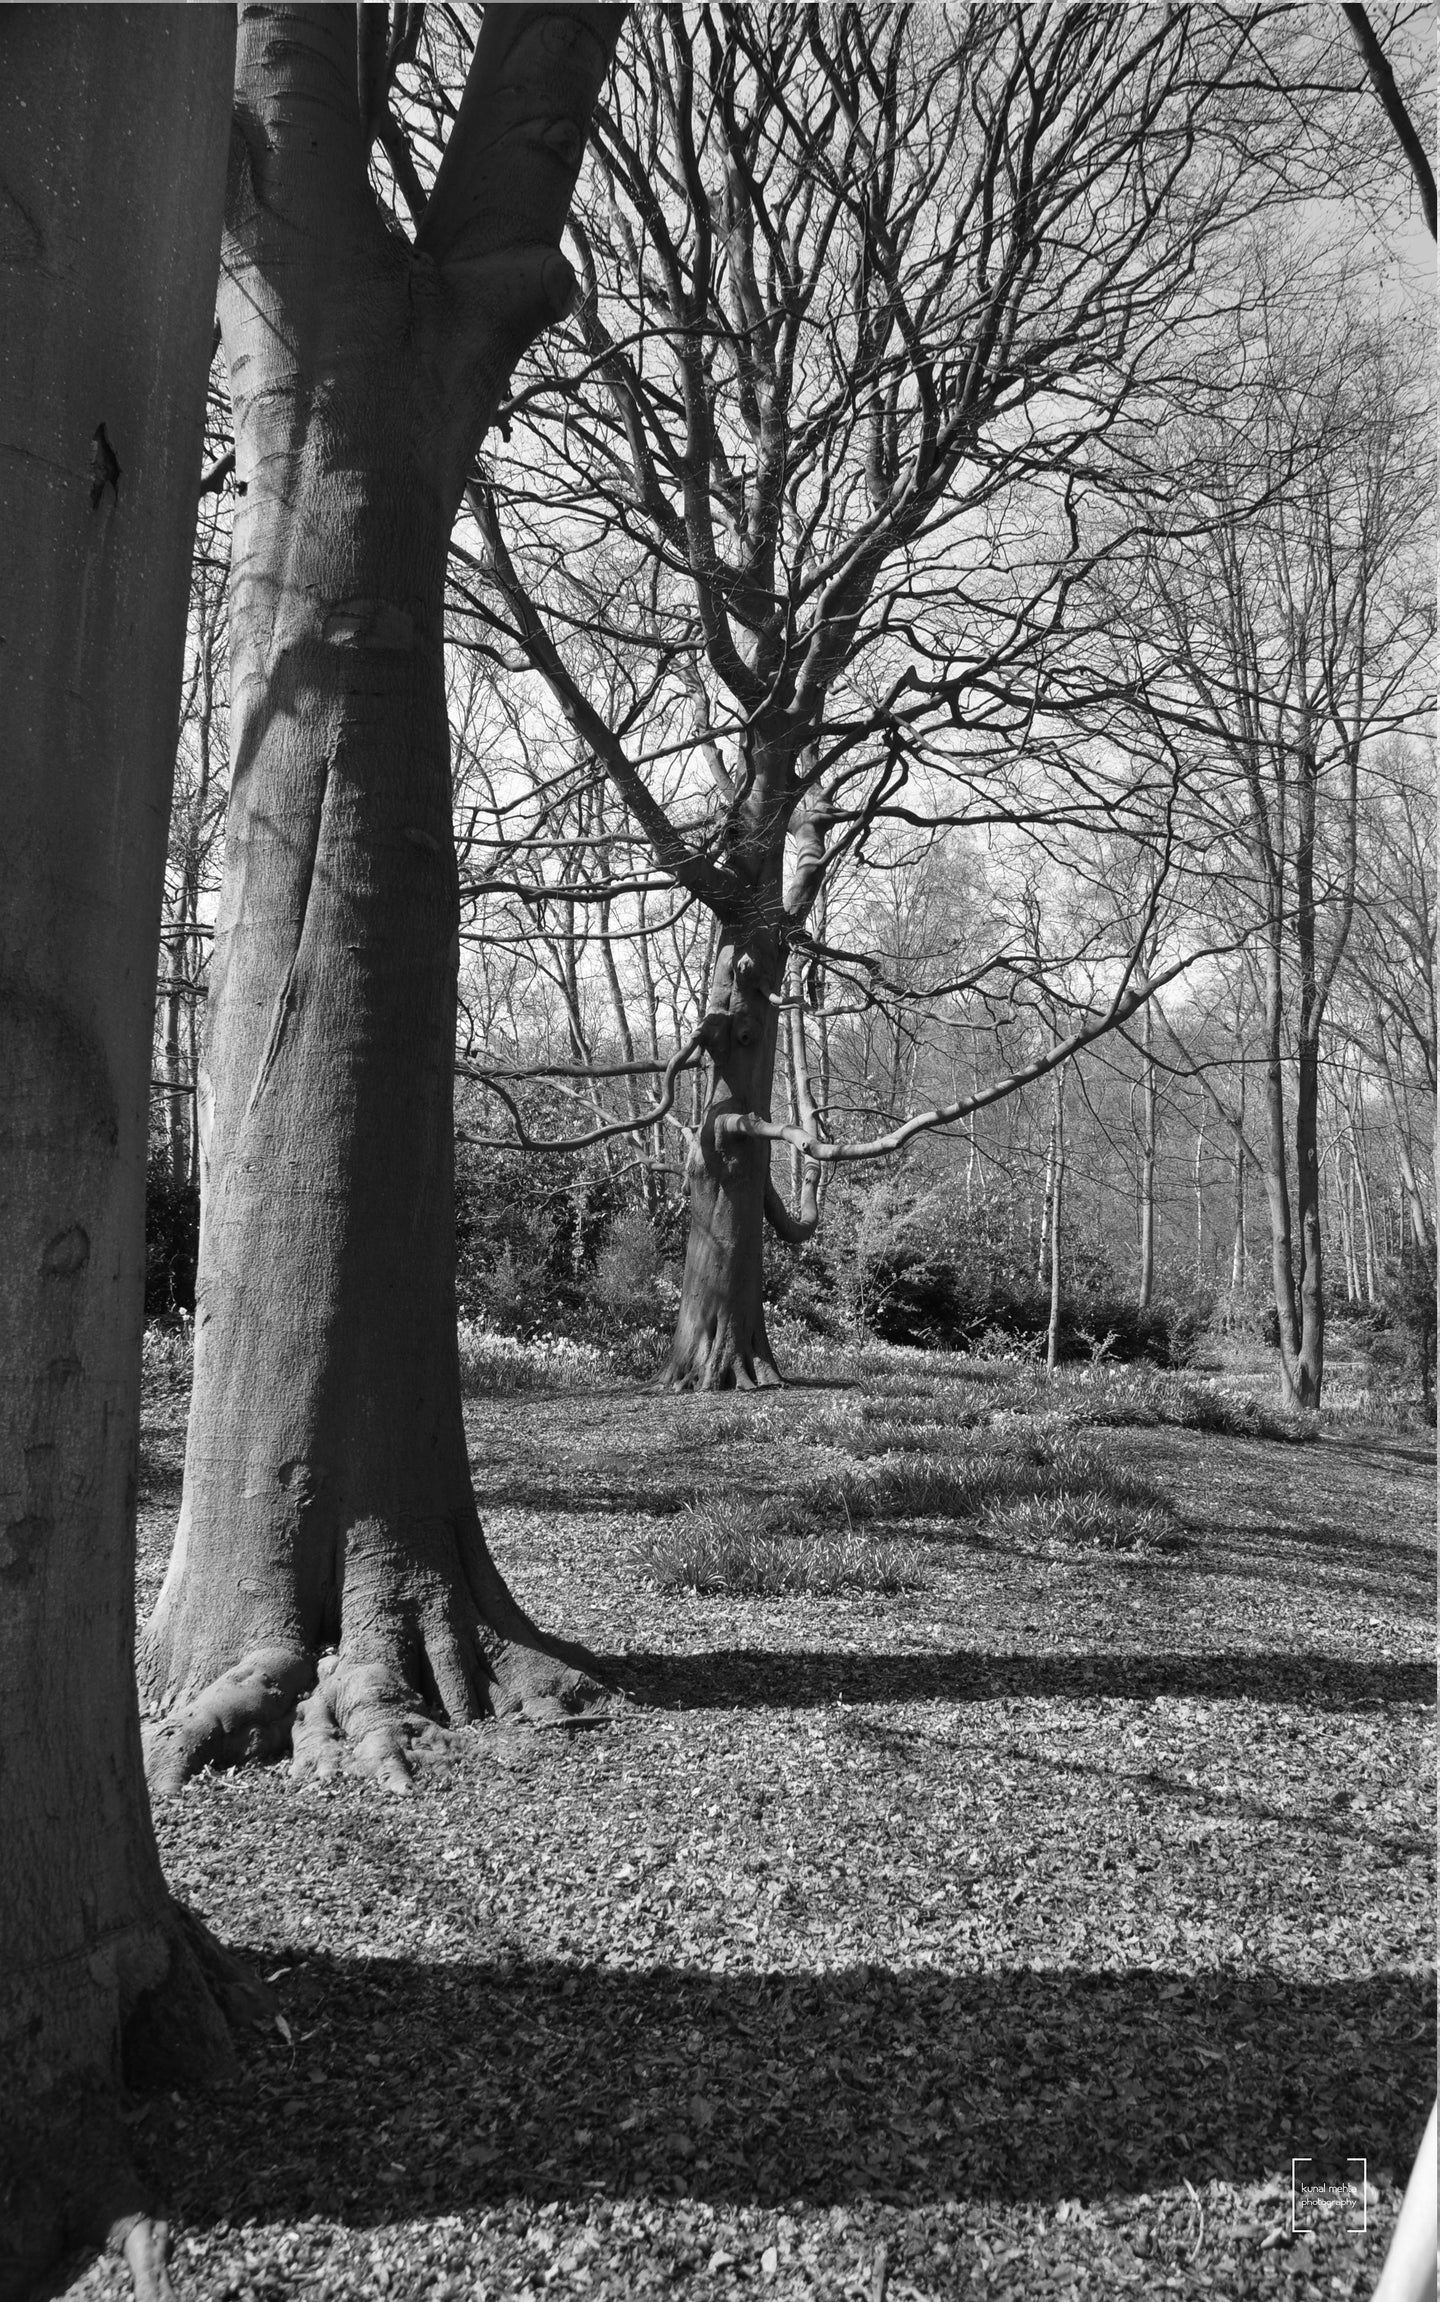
(1330, 2194)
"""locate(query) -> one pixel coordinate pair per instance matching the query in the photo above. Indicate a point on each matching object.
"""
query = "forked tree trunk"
(112, 126)
(329, 1553)
(720, 1343)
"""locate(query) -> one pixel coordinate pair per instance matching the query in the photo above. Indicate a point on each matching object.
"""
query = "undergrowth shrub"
(172, 1242)
(932, 1273)
(496, 1366)
(628, 1266)
(167, 1360)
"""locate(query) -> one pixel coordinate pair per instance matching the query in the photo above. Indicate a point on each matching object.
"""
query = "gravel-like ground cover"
(1011, 1935)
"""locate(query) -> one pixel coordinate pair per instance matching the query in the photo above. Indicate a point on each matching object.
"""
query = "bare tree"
(1279, 622)
(864, 294)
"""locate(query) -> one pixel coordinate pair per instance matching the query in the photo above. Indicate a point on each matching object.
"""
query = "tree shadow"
(746, 1678)
(579, 1497)
(433, 2089)
(1378, 1448)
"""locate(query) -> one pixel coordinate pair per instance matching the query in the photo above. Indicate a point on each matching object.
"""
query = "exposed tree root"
(365, 1714)
(245, 1713)
(363, 1719)
(716, 1359)
(145, 2242)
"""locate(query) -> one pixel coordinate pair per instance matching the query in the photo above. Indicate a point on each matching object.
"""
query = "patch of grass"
(1079, 1520)
(1088, 1467)
(1147, 1396)
(964, 1484)
(924, 1487)
(1373, 1407)
(774, 1549)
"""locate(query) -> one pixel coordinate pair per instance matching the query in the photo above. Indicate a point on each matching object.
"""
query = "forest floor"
(1061, 1926)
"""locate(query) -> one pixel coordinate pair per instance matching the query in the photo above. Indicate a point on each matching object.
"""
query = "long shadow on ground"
(421, 2090)
(741, 1678)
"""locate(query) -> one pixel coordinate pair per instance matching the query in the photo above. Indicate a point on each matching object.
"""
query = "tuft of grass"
(923, 1487)
(1087, 1466)
(1072, 1520)
(779, 1548)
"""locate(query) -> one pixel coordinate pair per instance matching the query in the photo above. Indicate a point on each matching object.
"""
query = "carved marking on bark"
(287, 1001)
(25, 1537)
(67, 1253)
(369, 623)
(104, 468)
(284, 1008)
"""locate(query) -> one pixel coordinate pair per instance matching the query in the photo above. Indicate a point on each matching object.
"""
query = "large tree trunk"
(329, 1553)
(112, 126)
(720, 1343)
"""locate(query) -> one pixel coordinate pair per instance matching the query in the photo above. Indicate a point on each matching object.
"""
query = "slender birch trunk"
(1057, 1206)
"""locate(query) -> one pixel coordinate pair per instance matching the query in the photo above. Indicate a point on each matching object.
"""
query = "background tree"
(1279, 621)
(112, 124)
(864, 295)
(328, 1509)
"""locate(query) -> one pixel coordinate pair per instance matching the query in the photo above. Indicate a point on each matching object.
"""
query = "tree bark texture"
(112, 128)
(329, 1553)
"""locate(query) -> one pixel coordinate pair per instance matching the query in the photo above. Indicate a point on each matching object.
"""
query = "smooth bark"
(1057, 1208)
(1147, 1165)
(112, 125)
(330, 1586)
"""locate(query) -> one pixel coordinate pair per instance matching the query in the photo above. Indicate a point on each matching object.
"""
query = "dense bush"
(1411, 1291)
(172, 1243)
(930, 1280)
